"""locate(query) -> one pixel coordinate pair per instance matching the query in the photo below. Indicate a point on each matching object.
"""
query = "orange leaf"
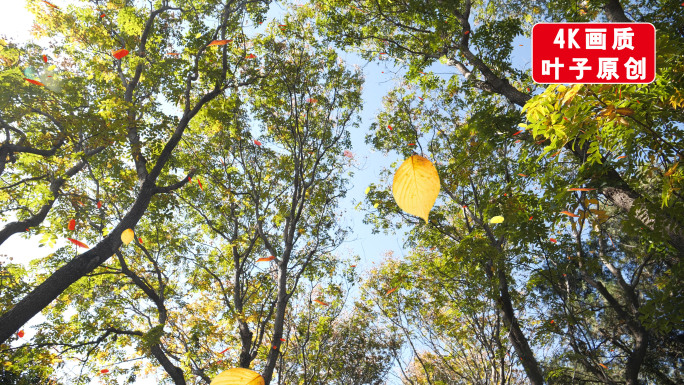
(250, 56)
(522, 175)
(321, 302)
(266, 259)
(258, 143)
(173, 53)
(118, 54)
(200, 184)
(620, 157)
(20, 333)
(604, 366)
(72, 224)
(103, 371)
(36, 82)
(581, 189)
(552, 240)
(78, 243)
(219, 42)
(568, 213)
(390, 291)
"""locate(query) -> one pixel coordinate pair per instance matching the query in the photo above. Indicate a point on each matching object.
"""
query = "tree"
(478, 110)
(130, 110)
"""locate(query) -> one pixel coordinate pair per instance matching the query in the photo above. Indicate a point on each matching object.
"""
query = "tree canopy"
(189, 164)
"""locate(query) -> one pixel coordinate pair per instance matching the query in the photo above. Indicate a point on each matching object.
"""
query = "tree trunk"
(278, 324)
(516, 336)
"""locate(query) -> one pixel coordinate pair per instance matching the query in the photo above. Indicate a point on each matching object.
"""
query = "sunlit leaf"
(127, 236)
(238, 376)
(568, 213)
(266, 259)
(321, 302)
(416, 186)
(497, 219)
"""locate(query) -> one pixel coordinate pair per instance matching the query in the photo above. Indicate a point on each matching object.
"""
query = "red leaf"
(411, 144)
(568, 213)
(258, 143)
(140, 239)
(103, 371)
(72, 224)
(467, 32)
(45, 58)
(118, 54)
(250, 56)
(390, 291)
(225, 350)
(283, 339)
(321, 302)
(36, 82)
(200, 184)
(20, 333)
(275, 347)
(581, 189)
(530, 217)
(310, 100)
(390, 127)
(517, 133)
(50, 4)
(78, 243)
(266, 259)
(552, 240)
(99, 204)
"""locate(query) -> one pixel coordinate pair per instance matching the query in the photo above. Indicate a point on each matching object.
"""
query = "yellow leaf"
(367, 189)
(238, 376)
(571, 93)
(127, 236)
(672, 169)
(497, 219)
(416, 186)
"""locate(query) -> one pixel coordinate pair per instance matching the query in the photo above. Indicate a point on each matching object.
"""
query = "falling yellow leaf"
(416, 186)
(497, 219)
(238, 376)
(367, 189)
(127, 236)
